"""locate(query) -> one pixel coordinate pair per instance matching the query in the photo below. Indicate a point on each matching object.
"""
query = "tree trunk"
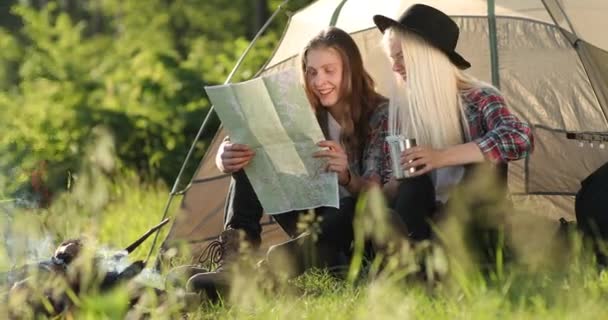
(72, 8)
(42, 3)
(260, 16)
(7, 19)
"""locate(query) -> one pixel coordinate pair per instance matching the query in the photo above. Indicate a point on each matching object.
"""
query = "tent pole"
(493, 43)
(336, 14)
(206, 120)
(503, 169)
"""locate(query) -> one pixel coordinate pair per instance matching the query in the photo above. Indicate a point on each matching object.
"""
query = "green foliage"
(136, 67)
(10, 52)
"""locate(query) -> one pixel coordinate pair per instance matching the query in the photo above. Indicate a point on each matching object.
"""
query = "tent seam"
(499, 17)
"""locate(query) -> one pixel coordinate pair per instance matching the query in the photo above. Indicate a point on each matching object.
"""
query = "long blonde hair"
(428, 104)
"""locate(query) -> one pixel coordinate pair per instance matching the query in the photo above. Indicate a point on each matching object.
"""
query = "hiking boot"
(225, 251)
(221, 256)
(177, 277)
(214, 258)
(211, 284)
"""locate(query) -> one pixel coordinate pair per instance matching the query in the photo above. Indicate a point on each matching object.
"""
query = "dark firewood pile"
(53, 287)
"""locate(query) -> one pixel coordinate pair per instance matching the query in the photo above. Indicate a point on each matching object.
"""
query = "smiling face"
(324, 73)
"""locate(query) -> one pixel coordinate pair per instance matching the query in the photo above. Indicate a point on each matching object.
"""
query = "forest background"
(70, 69)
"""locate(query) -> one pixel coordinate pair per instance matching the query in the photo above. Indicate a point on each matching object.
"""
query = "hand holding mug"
(423, 159)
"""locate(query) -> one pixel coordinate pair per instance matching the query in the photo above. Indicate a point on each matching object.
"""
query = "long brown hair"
(357, 90)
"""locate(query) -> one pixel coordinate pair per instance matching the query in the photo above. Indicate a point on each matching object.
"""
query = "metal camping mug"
(398, 143)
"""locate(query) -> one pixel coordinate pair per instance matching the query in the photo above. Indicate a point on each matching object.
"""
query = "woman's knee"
(417, 193)
(416, 186)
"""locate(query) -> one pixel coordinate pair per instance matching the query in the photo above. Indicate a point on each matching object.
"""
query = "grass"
(115, 212)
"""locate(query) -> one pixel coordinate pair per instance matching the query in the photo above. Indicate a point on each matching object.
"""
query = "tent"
(549, 57)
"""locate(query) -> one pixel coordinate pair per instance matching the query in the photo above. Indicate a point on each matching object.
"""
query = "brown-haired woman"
(354, 119)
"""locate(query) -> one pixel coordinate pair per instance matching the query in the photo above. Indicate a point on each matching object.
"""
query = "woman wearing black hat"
(456, 119)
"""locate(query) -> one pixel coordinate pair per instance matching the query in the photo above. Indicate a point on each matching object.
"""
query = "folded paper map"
(272, 115)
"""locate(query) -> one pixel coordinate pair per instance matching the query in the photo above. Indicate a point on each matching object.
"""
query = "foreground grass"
(333, 299)
(115, 213)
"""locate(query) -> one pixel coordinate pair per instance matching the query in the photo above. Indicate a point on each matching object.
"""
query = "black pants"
(591, 207)
(243, 211)
(415, 206)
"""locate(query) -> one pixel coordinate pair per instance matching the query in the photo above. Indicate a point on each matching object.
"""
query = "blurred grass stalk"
(488, 260)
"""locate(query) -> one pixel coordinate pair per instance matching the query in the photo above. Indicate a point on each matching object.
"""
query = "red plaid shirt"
(500, 135)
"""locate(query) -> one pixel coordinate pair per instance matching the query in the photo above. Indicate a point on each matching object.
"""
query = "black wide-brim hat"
(432, 25)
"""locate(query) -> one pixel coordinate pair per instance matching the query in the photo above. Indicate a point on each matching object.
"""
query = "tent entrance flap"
(595, 62)
(592, 63)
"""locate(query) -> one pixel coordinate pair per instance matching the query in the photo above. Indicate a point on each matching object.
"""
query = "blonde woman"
(456, 119)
